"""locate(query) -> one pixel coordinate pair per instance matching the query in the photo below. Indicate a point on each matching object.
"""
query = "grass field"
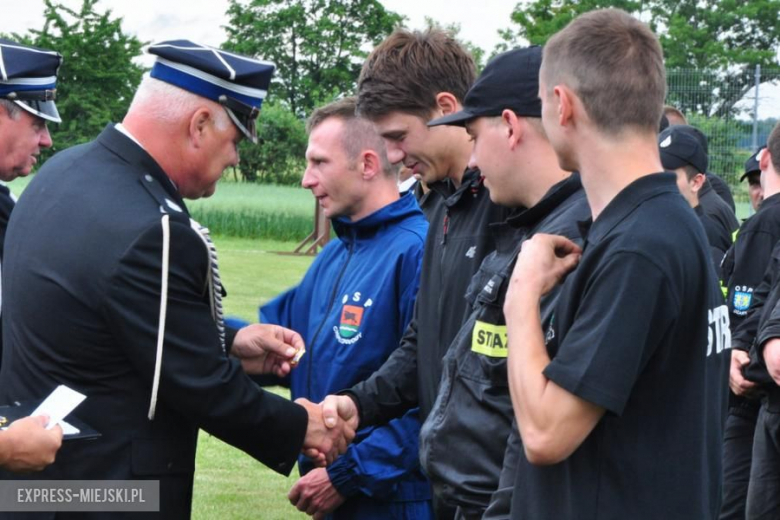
(228, 483)
(240, 209)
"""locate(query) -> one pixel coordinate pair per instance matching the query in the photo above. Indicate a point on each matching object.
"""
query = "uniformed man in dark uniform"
(682, 154)
(28, 81)
(746, 272)
(102, 250)
(620, 402)
(502, 114)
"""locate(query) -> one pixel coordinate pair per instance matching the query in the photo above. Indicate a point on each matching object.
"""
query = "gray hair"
(168, 103)
(11, 108)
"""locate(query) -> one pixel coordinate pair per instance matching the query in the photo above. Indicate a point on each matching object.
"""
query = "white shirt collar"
(121, 128)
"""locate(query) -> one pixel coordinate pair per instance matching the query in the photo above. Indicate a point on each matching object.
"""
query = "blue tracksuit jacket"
(351, 308)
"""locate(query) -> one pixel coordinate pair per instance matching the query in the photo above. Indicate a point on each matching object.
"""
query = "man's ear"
(765, 160)
(566, 101)
(370, 164)
(514, 130)
(697, 182)
(446, 103)
(199, 126)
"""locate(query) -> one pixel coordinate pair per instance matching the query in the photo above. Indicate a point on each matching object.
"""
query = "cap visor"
(44, 109)
(745, 175)
(245, 125)
(456, 119)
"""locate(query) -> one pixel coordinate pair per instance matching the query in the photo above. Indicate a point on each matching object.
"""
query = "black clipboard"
(18, 410)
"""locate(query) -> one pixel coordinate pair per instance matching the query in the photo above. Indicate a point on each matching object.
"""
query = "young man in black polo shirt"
(620, 402)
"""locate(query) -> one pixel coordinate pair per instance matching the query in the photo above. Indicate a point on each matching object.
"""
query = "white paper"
(59, 404)
(69, 429)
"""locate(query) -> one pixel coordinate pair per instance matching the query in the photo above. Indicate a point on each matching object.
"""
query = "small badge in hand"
(298, 356)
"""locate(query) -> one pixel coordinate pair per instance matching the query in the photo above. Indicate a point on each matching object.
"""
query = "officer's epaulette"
(167, 206)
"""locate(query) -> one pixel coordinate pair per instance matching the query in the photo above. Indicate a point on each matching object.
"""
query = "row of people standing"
(565, 379)
(603, 387)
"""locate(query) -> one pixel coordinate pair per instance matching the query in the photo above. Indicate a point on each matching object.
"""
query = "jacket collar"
(774, 200)
(131, 153)
(406, 206)
(559, 192)
(471, 182)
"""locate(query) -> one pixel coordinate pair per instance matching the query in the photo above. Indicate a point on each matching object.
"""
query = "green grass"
(256, 211)
(253, 272)
(239, 209)
(230, 484)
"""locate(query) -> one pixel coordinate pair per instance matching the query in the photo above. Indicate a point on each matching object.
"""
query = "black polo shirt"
(640, 329)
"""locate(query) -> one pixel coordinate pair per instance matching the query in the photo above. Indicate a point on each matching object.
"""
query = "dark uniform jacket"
(6, 205)
(722, 189)
(458, 239)
(718, 238)
(747, 260)
(473, 408)
(744, 268)
(757, 327)
(84, 271)
(717, 209)
(425, 199)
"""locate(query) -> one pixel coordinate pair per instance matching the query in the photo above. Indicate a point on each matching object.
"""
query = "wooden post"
(317, 238)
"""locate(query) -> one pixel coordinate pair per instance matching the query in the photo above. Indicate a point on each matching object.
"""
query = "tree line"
(319, 46)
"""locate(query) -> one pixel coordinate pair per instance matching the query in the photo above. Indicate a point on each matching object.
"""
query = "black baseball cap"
(509, 81)
(751, 165)
(679, 146)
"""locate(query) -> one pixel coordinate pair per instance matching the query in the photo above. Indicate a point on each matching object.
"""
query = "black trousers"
(737, 454)
(763, 501)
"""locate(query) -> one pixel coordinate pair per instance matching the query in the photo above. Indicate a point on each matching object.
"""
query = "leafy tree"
(317, 45)
(727, 38)
(98, 77)
(477, 52)
(279, 159)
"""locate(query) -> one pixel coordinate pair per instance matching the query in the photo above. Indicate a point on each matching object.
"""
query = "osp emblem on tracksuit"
(348, 331)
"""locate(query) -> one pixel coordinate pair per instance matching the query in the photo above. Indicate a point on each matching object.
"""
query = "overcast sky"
(201, 20)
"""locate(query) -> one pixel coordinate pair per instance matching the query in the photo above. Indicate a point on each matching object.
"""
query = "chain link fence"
(736, 110)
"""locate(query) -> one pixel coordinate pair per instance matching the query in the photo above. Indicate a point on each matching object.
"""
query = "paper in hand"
(59, 404)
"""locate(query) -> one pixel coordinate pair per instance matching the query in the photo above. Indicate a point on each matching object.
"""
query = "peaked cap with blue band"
(28, 77)
(239, 83)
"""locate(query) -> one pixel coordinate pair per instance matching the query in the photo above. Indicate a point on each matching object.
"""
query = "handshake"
(332, 426)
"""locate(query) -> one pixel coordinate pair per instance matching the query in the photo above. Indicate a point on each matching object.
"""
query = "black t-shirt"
(640, 329)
